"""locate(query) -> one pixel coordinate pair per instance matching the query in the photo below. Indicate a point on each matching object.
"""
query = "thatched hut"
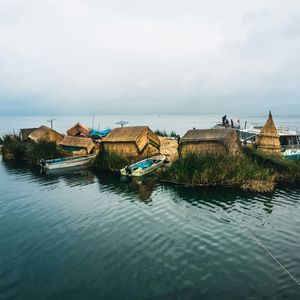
(73, 145)
(132, 142)
(268, 139)
(78, 130)
(210, 141)
(47, 134)
(25, 132)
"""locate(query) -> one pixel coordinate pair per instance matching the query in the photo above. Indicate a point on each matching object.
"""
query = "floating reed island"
(202, 157)
(250, 170)
(34, 144)
(213, 157)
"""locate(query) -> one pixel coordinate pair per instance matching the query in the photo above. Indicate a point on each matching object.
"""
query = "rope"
(268, 251)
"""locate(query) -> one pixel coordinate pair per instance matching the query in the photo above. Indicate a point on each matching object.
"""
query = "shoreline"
(248, 169)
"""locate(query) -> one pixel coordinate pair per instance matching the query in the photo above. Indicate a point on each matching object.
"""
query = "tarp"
(143, 165)
(101, 133)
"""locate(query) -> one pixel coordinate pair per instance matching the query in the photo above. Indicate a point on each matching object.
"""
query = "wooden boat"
(66, 162)
(144, 167)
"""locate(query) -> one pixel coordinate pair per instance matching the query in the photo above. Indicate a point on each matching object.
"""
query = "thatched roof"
(269, 129)
(226, 136)
(203, 135)
(25, 132)
(77, 142)
(268, 138)
(47, 134)
(140, 135)
(78, 129)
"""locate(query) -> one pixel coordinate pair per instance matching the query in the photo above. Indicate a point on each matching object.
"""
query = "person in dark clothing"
(231, 123)
(224, 118)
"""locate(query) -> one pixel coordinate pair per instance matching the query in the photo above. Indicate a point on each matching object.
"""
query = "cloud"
(148, 56)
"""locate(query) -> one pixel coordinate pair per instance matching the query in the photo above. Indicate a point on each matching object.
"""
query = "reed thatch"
(210, 141)
(78, 129)
(25, 132)
(268, 139)
(47, 134)
(77, 145)
(132, 142)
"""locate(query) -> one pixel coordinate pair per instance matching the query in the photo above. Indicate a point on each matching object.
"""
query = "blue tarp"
(101, 133)
(143, 165)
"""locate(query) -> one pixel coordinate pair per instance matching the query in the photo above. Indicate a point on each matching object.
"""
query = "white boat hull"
(292, 154)
(67, 162)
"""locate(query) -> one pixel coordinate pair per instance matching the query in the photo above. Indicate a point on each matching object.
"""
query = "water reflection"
(132, 187)
(228, 198)
(215, 196)
(78, 176)
(143, 188)
(140, 188)
(190, 234)
(71, 177)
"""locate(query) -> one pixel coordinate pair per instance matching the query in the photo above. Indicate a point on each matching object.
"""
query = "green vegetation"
(284, 170)
(42, 149)
(219, 170)
(109, 161)
(31, 152)
(251, 171)
(165, 134)
(13, 148)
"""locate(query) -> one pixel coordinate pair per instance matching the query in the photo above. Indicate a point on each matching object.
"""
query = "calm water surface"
(89, 235)
(179, 123)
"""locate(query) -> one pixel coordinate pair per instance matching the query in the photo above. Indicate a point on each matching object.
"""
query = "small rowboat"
(66, 162)
(144, 167)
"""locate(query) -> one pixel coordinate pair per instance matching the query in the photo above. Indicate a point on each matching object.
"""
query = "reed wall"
(202, 148)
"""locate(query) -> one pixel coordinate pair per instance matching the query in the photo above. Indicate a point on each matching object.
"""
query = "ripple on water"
(84, 234)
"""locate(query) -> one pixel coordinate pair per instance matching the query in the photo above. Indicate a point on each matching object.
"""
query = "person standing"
(224, 118)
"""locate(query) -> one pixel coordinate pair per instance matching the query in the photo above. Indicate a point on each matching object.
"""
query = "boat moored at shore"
(66, 162)
(144, 167)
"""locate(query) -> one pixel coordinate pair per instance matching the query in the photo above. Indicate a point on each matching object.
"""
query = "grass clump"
(31, 152)
(164, 133)
(284, 170)
(13, 148)
(208, 169)
(42, 150)
(109, 161)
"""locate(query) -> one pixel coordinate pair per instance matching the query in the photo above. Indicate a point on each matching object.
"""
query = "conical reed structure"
(268, 138)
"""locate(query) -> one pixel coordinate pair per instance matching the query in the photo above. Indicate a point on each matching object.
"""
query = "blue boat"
(144, 167)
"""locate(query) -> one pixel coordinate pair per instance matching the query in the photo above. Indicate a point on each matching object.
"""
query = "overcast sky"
(158, 56)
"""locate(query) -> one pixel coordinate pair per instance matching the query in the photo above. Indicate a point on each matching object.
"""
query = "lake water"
(90, 235)
(179, 123)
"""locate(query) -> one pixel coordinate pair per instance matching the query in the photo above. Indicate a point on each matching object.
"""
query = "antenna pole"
(51, 122)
